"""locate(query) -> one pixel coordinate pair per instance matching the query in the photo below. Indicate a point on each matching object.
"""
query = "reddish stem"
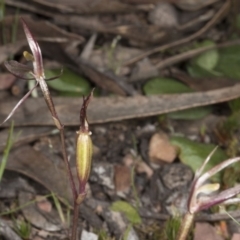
(75, 221)
(67, 165)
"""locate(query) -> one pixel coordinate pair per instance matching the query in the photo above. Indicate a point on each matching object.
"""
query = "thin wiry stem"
(75, 221)
(67, 165)
(59, 125)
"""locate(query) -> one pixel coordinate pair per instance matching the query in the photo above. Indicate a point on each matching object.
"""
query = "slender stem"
(60, 127)
(185, 226)
(75, 221)
(67, 165)
(6, 151)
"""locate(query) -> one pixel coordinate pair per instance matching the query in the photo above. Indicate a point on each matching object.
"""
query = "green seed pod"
(83, 158)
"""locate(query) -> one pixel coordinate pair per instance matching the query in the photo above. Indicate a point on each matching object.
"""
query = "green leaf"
(197, 71)
(191, 114)
(6, 151)
(231, 124)
(193, 154)
(164, 85)
(129, 211)
(69, 83)
(168, 86)
(2, 10)
(238, 21)
(171, 227)
(234, 105)
(229, 62)
(126, 232)
(207, 60)
(203, 65)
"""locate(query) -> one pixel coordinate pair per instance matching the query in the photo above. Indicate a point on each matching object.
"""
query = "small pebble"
(164, 15)
(88, 236)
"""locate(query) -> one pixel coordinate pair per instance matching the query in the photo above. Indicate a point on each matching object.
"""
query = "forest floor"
(166, 78)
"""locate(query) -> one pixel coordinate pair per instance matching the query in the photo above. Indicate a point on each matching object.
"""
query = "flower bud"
(84, 150)
(83, 158)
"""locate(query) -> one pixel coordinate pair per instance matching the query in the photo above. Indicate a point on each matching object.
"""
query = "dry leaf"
(160, 149)
(205, 231)
(26, 135)
(122, 179)
(33, 216)
(142, 167)
(33, 164)
(107, 109)
(43, 204)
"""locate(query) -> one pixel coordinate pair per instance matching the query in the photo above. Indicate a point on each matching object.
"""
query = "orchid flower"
(203, 195)
(208, 199)
(36, 71)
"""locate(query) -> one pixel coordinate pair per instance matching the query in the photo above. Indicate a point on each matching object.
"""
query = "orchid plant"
(84, 143)
(203, 195)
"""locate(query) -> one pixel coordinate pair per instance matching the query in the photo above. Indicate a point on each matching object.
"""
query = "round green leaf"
(164, 85)
(129, 211)
(193, 153)
(171, 86)
(207, 60)
(69, 83)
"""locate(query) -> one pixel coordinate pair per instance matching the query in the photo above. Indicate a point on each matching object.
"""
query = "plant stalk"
(185, 226)
(75, 221)
(67, 165)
